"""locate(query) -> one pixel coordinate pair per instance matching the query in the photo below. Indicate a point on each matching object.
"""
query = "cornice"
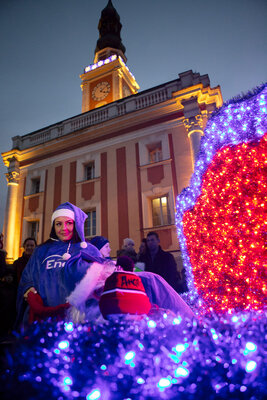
(74, 142)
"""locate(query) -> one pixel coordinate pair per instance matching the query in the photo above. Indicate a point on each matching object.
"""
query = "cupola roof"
(109, 27)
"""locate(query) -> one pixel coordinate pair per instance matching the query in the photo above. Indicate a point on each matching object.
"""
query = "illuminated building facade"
(123, 160)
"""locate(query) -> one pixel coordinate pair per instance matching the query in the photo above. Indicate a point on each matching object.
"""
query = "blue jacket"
(52, 277)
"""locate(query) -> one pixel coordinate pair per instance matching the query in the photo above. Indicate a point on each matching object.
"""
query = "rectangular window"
(155, 152)
(35, 185)
(90, 224)
(89, 171)
(33, 229)
(160, 211)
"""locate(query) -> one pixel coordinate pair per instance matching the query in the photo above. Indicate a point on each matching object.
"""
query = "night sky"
(45, 45)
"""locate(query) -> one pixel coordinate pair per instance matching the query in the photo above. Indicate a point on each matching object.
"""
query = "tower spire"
(108, 79)
(109, 41)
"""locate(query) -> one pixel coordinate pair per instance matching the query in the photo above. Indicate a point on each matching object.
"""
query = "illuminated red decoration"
(226, 229)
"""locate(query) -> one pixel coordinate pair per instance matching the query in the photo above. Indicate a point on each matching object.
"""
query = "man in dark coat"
(160, 262)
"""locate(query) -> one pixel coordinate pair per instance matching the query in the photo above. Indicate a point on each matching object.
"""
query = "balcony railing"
(128, 105)
(118, 108)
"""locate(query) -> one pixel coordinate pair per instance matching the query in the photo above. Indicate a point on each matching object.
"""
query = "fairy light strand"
(221, 215)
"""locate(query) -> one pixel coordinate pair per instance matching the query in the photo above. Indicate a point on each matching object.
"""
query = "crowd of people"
(70, 276)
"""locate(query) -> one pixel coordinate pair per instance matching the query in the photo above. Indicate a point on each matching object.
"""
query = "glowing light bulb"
(94, 395)
(68, 326)
(164, 383)
(67, 381)
(181, 371)
(129, 357)
(250, 366)
(64, 344)
(251, 347)
(151, 324)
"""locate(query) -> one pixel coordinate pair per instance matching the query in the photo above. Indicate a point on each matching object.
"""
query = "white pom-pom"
(83, 245)
(66, 256)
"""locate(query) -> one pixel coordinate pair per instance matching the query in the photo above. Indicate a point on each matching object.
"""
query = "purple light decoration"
(171, 360)
(240, 121)
(100, 63)
(106, 61)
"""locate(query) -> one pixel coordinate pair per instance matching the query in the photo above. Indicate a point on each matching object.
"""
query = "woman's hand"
(32, 289)
(40, 312)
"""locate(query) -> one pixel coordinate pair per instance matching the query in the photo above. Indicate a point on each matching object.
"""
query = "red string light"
(226, 230)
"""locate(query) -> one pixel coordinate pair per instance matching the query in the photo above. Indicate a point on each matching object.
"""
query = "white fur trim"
(94, 279)
(75, 315)
(63, 212)
(83, 245)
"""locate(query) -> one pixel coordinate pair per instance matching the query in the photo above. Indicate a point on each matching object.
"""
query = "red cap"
(124, 293)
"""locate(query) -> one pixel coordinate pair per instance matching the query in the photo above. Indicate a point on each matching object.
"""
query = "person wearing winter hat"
(127, 292)
(124, 293)
(48, 277)
(102, 244)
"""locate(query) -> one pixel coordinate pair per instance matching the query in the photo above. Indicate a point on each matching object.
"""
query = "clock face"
(100, 91)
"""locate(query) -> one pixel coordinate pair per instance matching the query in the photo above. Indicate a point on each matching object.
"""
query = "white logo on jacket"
(54, 261)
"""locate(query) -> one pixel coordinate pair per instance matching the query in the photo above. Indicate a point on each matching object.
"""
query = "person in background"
(29, 245)
(7, 294)
(142, 249)
(49, 276)
(102, 244)
(128, 249)
(159, 261)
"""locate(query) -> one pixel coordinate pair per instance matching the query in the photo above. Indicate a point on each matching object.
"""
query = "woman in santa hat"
(50, 275)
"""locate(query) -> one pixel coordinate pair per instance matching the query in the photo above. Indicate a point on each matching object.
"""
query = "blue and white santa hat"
(99, 241)
(76, 214)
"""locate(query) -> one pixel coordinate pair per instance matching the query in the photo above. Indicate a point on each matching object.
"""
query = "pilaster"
(12, 177)
(194, 127)
(193, 122)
